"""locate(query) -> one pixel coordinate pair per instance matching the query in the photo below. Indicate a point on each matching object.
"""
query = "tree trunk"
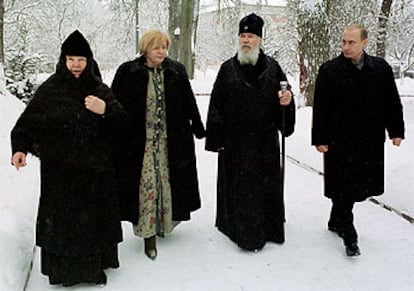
(136, 26)
(2, 31)
(174, 28)
(313, 48)
(186, 50)
(382, 27)
(196, 12)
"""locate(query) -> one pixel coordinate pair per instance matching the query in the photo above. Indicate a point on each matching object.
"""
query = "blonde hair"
(151, 39)
(362, 29)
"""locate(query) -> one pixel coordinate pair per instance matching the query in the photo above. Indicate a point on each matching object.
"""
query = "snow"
(19, 194)
(198, 257)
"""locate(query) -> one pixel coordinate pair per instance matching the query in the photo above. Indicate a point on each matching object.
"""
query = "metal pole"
(283, 88)
(282, 174)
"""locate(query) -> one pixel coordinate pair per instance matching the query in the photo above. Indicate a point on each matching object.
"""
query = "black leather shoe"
(352, 250)
(150, 247)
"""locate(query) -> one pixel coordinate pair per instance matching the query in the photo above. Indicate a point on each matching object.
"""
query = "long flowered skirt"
(155, 210)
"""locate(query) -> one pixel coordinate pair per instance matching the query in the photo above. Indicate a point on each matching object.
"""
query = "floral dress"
(155, 210)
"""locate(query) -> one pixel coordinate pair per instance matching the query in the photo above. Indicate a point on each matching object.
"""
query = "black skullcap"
(76, 45)
(252, 24)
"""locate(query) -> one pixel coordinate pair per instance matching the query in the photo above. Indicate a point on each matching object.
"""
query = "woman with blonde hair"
(157, 170)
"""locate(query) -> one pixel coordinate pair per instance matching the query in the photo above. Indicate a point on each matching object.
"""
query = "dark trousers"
(342, 219)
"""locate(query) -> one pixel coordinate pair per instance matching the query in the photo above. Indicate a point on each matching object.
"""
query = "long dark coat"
(352, 109)
(78, 213)
(243, 121)
(183, 121)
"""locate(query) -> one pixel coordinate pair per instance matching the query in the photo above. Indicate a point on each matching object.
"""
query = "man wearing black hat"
(70, 124)
(247, 109)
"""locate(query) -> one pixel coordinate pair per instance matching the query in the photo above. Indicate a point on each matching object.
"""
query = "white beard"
(248, 58)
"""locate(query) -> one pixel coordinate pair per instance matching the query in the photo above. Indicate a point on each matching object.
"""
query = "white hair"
(250, 57)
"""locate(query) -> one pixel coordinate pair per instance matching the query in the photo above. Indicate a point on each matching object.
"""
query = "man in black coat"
(356, 100)
(245, 114)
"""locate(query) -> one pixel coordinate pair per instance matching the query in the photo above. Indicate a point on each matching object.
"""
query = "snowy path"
(375, 200)
(196, 257)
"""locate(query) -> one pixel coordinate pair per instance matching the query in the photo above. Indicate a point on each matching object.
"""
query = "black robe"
(352, 109)
(78, 223)
(243, 121)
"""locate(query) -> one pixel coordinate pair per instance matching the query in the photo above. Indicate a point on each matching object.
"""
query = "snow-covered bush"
(21, 73)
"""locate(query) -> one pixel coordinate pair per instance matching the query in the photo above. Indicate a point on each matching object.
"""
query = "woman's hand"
(95, 104)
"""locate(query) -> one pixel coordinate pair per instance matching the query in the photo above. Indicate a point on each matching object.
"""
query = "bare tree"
(400, 43)
(313, 47)
(2, 77)
(1, 31)
(174, 28)
(194, 27)
(186, 29)
(342, 13)
(182, 27)
(382, 27)
(136, 12)
(320, 28)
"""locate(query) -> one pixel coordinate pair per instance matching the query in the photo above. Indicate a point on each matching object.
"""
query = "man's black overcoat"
(352, 109)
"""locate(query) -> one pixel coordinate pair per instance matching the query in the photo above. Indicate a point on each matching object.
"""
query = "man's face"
(248, 40)
(353, 45)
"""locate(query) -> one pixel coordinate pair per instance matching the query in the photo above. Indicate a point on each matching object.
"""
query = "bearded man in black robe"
(247, 110)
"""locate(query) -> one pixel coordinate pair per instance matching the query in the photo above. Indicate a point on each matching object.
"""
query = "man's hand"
(285, 97)
(19, 160)
(322, 148)
(94, 104)
(396, 141)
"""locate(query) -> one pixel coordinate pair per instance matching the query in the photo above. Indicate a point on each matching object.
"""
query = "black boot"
(351, 241)
(352, 250)
(336, 229)
(334, 223)
(150, 247)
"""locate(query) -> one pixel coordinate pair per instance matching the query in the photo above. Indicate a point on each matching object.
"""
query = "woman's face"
(156, 55)
(76, 64)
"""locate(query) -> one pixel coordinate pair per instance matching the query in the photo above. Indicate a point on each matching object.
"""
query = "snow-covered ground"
(196, 257)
